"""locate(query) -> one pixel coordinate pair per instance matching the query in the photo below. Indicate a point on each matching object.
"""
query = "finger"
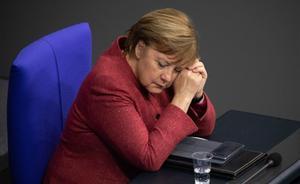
(204, 74)
(198, 69)
(202, 71)
(196, 64)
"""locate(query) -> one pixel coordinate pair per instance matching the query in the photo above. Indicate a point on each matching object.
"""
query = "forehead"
(164, 57)
(171, 59)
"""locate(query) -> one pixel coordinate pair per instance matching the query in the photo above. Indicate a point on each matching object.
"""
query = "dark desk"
(257, 132)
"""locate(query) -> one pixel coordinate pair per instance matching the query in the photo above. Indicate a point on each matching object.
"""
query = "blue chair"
(44, 80)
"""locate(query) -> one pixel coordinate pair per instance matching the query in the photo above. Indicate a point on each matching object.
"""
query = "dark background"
(251, 48)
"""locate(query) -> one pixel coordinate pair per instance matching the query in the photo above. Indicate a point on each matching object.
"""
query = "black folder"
(232, 168)
(192, 144)
(240, 163)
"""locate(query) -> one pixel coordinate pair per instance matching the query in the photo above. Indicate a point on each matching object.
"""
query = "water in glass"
(202, 167)
(202, 174)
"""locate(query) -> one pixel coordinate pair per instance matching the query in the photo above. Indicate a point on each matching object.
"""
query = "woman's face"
(155, 71)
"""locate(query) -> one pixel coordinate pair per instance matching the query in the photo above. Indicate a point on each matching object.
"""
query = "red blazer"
(116, 128)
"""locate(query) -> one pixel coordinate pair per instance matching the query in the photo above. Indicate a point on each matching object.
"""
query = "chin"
(155, 90)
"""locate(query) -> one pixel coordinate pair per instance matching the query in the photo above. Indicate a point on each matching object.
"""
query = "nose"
(166, 76)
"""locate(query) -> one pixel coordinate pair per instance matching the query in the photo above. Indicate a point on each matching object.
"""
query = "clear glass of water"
(202, 166)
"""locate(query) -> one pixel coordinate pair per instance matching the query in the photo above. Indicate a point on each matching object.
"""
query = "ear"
(139, 49)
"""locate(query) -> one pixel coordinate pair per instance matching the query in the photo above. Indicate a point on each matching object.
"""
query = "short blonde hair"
(169, 31)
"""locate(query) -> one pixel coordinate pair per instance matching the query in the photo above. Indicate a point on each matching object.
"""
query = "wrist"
(182, 101)
(199, 94)
(197, 99)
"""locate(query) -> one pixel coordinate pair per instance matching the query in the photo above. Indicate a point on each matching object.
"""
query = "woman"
(143, 96)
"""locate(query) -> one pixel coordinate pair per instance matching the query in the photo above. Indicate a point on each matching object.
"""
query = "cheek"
(146, 74)
(174, 76)
(150, 71)
(151, 75)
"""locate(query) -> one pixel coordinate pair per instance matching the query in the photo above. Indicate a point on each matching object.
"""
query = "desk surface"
(257, 132)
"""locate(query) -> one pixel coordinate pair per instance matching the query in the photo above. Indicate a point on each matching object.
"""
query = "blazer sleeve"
(204, 116)
(114, 117)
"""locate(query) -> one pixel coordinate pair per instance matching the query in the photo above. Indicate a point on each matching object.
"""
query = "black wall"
(251, 48)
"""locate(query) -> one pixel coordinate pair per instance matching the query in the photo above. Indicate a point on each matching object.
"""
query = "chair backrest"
(44, 80)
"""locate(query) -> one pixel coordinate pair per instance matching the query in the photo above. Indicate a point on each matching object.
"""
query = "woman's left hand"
(198, 67)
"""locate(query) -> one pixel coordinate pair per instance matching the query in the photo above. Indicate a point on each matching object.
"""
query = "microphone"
(273, 160)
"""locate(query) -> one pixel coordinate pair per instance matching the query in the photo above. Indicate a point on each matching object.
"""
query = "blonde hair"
(169, 31)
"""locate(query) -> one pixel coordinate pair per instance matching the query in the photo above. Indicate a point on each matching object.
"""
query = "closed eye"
(161, 64)
(178, 69)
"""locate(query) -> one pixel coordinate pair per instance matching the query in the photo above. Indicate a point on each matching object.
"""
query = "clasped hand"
(191, 80)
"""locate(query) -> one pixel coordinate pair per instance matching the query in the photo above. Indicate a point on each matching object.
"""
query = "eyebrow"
(162, 60)
(179, 68)
(168, 62)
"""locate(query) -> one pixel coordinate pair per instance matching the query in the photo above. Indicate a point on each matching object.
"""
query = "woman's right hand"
(186, 85)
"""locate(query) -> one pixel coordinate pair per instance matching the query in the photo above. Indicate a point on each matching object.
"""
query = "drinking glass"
(202, 167)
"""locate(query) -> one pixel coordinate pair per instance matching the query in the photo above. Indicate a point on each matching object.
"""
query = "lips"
(161, 86)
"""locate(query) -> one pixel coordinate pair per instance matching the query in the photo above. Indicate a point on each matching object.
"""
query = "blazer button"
(157, 116)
